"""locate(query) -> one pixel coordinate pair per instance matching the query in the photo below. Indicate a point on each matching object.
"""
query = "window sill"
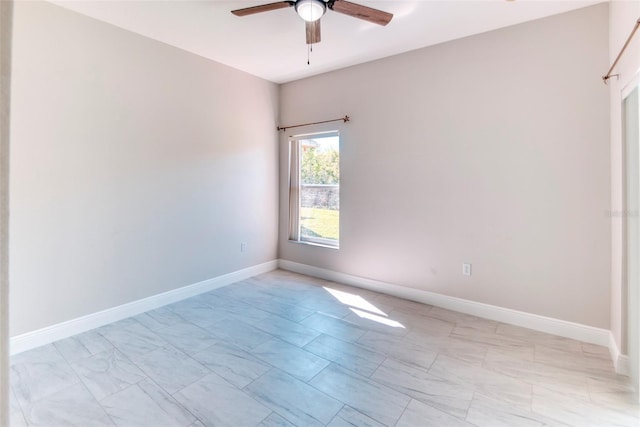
(320, 245)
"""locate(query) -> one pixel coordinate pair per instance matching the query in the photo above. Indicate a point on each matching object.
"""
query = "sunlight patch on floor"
(363, 308)
(378, 319)
(356, 301)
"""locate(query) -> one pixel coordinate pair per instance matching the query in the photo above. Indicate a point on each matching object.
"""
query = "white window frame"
(295, 187)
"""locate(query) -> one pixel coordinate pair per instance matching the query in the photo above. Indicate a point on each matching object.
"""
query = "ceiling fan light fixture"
(311, 10)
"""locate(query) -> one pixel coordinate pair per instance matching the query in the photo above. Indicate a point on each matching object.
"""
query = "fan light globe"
(310, 10)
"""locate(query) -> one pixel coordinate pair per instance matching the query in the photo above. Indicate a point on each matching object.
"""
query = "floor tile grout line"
(248, 393)
(356, 374)
(146, 377)
(264, 419)
(275, 367)
(377, 368)
(105, 351)
(12, 395)
(340, 364)
(337, 413)
(403, 411)
(98, 402)
(257, 378)
(62, 354)
(78, 380)
(530, 410)
(414, 398)
(175, 401)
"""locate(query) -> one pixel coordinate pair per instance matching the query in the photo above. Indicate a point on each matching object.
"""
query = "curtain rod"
(344, 119)
(609, 75)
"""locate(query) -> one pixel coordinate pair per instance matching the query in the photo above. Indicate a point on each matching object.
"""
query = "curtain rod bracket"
(624, 47)
(607, 77)
(344, 119)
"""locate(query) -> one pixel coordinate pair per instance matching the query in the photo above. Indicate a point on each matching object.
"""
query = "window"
(314, 189)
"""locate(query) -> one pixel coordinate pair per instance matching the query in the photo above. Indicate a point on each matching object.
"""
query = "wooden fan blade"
(313, 32)
(262, 8)
(361, 12)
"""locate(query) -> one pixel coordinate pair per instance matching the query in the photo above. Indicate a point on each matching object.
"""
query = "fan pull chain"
(309, 50)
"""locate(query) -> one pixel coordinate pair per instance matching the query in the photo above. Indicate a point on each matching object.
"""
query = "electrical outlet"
(243, 247)
(466, 269)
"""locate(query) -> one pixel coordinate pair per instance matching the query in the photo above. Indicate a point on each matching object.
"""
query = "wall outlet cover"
(466, 269)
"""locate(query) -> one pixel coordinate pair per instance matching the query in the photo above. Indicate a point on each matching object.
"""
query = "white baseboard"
(549, 325)
(620, 361)
(72, 327)
(622, 365)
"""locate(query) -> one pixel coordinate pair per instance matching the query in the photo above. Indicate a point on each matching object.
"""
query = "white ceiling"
(272, 45)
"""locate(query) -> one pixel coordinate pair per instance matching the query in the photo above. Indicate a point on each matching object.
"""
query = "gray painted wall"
(137, 168)
(493, 150)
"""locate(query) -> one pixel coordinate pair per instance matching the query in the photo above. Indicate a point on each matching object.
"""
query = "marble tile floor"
(282, 349)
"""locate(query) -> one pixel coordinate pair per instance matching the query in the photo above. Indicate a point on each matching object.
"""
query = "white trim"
(71, 327)
(620, 361)
(314, 135)
(549, 325)
(622, 365)
(630, 86)
(614, 351)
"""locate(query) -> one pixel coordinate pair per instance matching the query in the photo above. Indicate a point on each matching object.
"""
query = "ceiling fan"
(312, 10)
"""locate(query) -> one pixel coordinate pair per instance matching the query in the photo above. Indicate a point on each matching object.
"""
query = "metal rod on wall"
(609, 75)
(344, 119)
